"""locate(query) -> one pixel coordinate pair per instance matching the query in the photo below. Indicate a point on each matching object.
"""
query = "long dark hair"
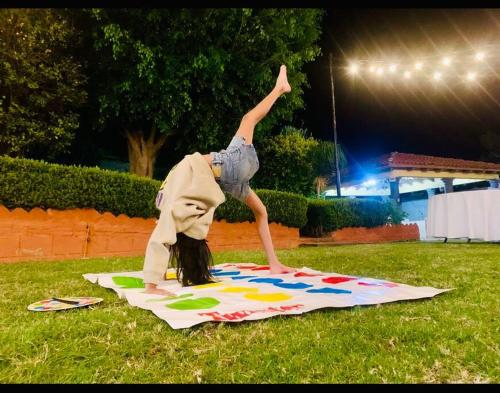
(193, 260)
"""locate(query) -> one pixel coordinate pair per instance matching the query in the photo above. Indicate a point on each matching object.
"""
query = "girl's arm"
(260, 212)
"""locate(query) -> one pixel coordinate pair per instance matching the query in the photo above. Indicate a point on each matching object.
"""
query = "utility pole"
(337, 170)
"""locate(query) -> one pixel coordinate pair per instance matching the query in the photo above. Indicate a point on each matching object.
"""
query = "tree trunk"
(142, 153)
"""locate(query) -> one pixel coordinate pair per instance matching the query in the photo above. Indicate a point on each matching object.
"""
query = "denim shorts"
(239, 163)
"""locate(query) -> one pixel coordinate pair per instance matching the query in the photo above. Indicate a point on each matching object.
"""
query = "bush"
(327, 216)
(286, 163)
(29, 183)
(282, 207)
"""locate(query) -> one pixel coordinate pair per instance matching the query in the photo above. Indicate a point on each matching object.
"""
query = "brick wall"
(381, 234)
(78, 233)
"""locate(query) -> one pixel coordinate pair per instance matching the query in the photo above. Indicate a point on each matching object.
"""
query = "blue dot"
(226, 273)
(267, 280)
(295, 285)
(328, 290)
(242, 277)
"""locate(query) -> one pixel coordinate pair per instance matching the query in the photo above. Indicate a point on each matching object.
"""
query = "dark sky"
(375, 117)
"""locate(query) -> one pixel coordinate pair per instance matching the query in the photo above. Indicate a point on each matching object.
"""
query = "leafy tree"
(41, 83)
(293, 161)
(189, 75)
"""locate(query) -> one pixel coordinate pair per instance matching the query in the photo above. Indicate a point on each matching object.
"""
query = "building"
(411, 179)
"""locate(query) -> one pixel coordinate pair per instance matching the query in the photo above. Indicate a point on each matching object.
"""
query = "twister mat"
(246, 291)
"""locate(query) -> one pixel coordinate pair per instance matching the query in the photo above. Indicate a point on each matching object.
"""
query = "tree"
(190, 75)
(41, 83)
(293, 161)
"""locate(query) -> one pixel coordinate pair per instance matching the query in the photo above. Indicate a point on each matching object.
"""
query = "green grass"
(453, 337)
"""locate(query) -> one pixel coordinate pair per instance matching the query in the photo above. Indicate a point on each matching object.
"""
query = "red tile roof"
(406, 160)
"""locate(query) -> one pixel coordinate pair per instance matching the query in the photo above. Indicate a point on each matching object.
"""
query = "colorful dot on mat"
(211, 285)
(171, 275)
(261, 268)
(226, 273)
(170, 298)
(194, 304)
(378, 284)
(327, 290)
(267, 280)
(215, 270)
(268, 297)
(337, 280)
(240, 289)
(242, 277)
(128, 282)
(293, 285)
(302, 274)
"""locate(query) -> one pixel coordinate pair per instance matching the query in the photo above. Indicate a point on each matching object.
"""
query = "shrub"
(324, 216)
(282, 207)
(29, 183)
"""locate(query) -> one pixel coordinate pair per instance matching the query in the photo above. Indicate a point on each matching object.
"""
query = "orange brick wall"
(78, 233)
(385, 233)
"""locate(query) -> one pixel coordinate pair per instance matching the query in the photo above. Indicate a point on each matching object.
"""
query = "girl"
(195, 189)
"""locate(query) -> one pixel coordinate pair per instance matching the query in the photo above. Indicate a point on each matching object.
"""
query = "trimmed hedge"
(30, 183)
(282, 207)
(324, 216)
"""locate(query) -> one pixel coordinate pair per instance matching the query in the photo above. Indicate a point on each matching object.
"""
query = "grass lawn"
(453, 337)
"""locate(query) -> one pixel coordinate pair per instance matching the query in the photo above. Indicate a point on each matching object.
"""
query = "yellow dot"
(240, 289)
(171, 275)
(268, 297)
(211, 285)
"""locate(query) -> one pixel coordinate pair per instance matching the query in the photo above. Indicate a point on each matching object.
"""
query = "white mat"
(246, 291)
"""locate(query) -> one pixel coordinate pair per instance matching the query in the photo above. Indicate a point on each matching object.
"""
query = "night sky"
(375, 117)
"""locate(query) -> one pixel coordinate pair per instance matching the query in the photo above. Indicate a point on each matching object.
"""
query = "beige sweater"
(189, 198)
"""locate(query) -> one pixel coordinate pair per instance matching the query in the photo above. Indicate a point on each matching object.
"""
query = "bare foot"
(282, 82)
(278, 268)
(158, 291)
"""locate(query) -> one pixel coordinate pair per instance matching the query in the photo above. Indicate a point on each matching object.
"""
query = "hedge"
(282, 207)
(324, 216)
(30, 183)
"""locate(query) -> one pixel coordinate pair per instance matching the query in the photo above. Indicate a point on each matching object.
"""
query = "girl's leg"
(254, 116)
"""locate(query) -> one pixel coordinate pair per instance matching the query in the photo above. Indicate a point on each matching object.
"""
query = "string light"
(471, 76)
(446, 61)
(479, 56)
(455, 62)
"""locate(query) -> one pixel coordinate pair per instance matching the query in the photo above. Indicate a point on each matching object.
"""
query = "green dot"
(194, 304)
(128, 282)
(163, 299)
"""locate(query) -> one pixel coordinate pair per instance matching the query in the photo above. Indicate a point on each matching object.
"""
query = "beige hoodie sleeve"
(190, 198)
(165, 233)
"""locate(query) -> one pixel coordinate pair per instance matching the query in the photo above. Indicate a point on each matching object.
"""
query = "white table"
(466, 214)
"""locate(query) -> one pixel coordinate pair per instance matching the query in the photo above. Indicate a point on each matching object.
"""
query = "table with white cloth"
(467, 214)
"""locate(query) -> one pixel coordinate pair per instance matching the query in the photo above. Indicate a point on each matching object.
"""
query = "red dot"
(337, 280)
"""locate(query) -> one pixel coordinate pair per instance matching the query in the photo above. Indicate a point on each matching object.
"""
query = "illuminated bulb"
(380, 70)
(418, 65)
(392, 68)
(446, 61)
(372, 68)
(437, 76)
(479, 56)
(471, 76)
(353, 69)
(407, 75)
